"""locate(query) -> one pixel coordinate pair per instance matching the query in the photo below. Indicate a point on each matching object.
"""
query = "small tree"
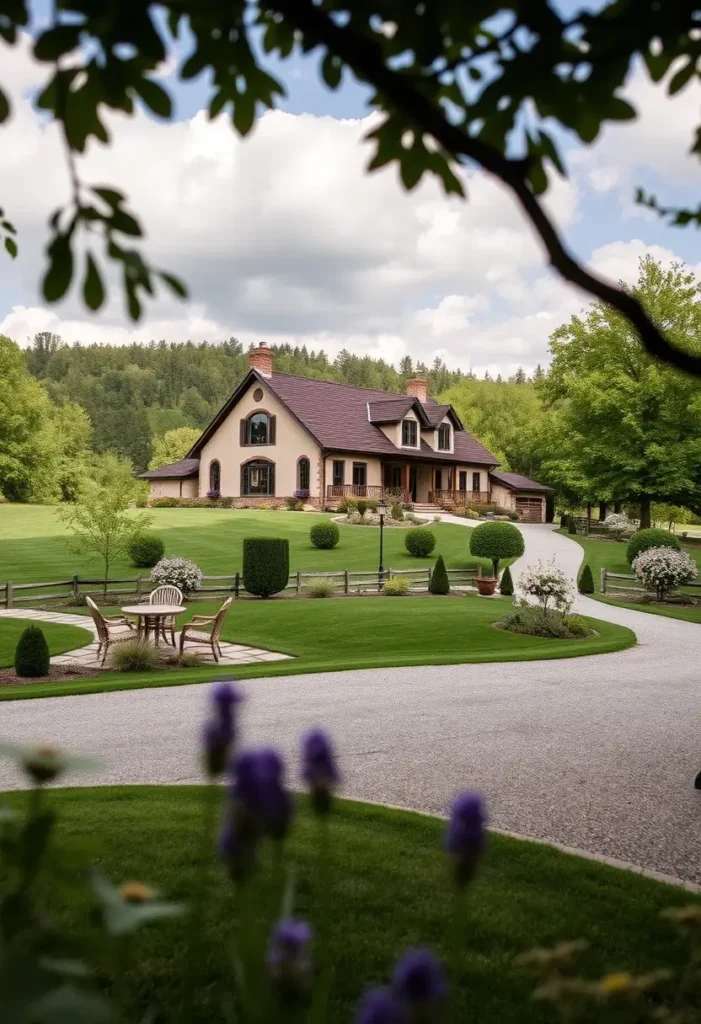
(440, 584)
(32, 653)
(105, 526)
(549, 585)
(506, 587)
(619, 525)
(586, 581)
(496, 541)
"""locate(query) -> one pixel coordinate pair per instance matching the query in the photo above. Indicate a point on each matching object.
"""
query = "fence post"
(138, 587)
(75, 589)
(603, 581)
(8, 594)
(237, 583)
(345, 582)
(299, 581)
(430, 570)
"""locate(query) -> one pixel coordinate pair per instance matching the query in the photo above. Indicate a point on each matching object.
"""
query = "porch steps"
(426, 508)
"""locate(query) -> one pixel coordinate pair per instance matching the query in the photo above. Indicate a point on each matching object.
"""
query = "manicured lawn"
(611, 555)
(388, 890)
(59, 638)
(366, 632)
(33, 543)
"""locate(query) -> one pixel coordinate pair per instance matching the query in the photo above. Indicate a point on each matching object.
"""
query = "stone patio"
(86, 657)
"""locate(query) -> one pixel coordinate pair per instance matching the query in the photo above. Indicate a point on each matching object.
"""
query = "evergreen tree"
(506, 587)
(586, 581)
(440, 584)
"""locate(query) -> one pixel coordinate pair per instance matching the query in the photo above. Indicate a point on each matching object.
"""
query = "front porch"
(422, 483)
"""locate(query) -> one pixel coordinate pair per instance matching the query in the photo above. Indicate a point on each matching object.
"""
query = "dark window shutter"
(271, 477)
(271, 428)
(244, 488)
(243, 433)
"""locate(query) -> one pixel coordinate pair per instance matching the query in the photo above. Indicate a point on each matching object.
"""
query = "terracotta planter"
(486, 585)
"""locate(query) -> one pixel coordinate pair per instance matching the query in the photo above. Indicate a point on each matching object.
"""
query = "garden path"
(598, 753)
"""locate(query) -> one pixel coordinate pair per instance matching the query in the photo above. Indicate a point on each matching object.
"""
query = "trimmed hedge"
(32, 654)
(496, 541)
(506, 587)
(652, 538)
(420, 542)
(440, 584)
(146, 550)
(266, 565)
(586, 581)
(324, 535)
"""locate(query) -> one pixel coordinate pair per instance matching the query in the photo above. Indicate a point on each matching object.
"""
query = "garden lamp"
(382, 512)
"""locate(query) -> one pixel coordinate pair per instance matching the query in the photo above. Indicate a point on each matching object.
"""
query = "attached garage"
(526, 496)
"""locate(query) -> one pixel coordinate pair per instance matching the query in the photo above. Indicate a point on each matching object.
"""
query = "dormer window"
(444, 438)
(410, 434)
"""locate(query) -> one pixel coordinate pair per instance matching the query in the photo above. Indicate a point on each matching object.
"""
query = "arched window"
(444, 438)
(303, 474)
(258, 477)
(214, 476)
(258, 428)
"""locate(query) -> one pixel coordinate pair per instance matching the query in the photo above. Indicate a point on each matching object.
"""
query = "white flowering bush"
(619, 525)
(664, 570)
(549, 585)
(179, 572)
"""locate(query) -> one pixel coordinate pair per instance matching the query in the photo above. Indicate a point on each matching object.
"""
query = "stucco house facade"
(280, 435)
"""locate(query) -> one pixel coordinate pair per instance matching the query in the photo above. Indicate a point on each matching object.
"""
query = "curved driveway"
(597, 753)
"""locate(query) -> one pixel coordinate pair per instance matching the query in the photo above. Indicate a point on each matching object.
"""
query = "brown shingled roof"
(517, 482)
(336, 415)
(180, 469)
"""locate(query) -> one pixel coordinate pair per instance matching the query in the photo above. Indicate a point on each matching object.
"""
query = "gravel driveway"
(597, 753)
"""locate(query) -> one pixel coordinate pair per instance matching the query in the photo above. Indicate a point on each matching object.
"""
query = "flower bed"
(372, 519)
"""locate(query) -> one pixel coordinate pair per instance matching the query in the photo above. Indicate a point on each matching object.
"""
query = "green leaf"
(331, 69)
(682, 77)
(58, 277)
(618, 109)
(125, 223)
(93, 289)
(174, 283)
(4, 107)
(56, 41)
(658, 64)
(6, 226)
(244, 113)
(11, 247)
(154, 96)
(133, 304)
(110, 195)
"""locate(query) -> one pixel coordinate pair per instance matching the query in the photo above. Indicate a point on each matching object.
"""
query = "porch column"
(405, 480)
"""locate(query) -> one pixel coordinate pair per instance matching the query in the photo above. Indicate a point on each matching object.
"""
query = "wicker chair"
(167, 594)
(111, 629)
(192, 632)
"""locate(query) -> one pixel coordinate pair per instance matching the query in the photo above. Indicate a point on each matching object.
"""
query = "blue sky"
(283, 237)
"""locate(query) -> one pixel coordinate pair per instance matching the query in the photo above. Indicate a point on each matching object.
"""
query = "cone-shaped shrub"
(586, 581)
(506, 587)
(440, 584)
(266, 565)
(571, 525)
(32, 653)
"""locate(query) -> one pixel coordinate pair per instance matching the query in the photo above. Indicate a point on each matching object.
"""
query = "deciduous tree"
(172, 446)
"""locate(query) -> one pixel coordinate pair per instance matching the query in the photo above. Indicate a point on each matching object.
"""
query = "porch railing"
(459, 497)
(375, 491)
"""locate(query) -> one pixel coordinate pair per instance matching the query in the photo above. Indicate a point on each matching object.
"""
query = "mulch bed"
(57, 674)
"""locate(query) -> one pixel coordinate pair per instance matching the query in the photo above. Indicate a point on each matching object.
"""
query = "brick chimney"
(261, 359)
(418, 388)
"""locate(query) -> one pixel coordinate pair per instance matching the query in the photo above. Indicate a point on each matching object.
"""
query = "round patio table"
(151, 617)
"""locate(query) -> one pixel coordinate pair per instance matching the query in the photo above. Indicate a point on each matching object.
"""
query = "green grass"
(59, 638)
(34, 543)
(389, 890)
(611, 555)
(366, 632)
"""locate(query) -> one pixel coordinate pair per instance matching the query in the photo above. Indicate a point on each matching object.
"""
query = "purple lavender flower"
(288, 958)
(219, 731)
(418, 983)
(378, 1006)
(465, 835)
(319, 769)
(260, 799)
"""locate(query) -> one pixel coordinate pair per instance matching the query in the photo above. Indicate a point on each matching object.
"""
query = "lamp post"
(382, 512)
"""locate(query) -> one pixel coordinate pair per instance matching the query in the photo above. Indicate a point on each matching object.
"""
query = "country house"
(280, 435)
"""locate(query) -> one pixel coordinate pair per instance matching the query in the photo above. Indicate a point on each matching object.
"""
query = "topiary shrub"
(440, 584)
(397, 513)
(506, 587)
(146, 550)
(571, 525)
(324, 535)
(32, 657)
(266, 565)
(398, 586)
(585, 583)
(420, 542)
(362, 507)
(653, 538)
(496, 541)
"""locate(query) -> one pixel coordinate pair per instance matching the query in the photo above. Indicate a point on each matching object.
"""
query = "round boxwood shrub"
(145, 550)
(496, 541)
(586, 581)
(506, 587)
(324, 535)
(32, 653)
(266, 565)
(419, 542)
(440, 584)
(644, 539)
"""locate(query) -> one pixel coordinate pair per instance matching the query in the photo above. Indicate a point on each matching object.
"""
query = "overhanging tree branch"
(403, 90)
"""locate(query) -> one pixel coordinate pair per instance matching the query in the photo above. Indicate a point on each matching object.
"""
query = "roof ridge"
(343, 384)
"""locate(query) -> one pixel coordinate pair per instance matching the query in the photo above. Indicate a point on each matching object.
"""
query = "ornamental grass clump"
(320, 587)
(664, 570)
(179, 572)
(397, 586)
(136, 656)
